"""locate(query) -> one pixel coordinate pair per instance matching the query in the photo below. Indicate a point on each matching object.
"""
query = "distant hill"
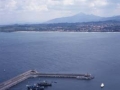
(81, 17)
(114, 18)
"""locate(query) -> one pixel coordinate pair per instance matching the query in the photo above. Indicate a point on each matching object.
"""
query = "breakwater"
(33, 73)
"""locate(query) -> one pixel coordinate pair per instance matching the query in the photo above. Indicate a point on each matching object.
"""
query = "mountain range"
(81, 17)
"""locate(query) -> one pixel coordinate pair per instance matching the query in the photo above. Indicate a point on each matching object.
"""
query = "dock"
(33, 73)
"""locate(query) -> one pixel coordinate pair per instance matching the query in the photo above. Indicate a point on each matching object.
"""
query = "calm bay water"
(62, 52)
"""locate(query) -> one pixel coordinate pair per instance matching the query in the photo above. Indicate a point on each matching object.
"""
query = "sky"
(37, 11)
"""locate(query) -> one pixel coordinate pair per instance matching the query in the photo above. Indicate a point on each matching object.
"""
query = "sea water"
(62, 52)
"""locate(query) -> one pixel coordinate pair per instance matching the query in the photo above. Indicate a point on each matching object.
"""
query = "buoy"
(102, 85)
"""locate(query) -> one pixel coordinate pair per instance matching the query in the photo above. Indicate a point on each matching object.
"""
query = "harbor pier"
(33, 73)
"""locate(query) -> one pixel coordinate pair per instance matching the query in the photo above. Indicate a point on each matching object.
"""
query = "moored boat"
(35, 87)
(44, 83)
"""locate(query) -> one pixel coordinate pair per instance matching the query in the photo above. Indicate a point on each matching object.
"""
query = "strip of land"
(102, 26)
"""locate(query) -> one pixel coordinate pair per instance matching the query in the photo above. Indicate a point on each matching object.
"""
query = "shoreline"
(53, 31)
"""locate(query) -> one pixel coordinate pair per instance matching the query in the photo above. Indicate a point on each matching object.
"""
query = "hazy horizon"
(38, 11)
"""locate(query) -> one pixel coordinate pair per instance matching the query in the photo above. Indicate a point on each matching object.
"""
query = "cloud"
(34, 6)
(99, 3)
(5, 5)
(42, 10)
(47, 5)
(114, 1)
(25, 5)
(68, 2)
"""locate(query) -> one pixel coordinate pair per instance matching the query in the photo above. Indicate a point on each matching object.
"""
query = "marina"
(33, 73)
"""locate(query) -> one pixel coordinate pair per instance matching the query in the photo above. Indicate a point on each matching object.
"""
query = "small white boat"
(102, 85)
